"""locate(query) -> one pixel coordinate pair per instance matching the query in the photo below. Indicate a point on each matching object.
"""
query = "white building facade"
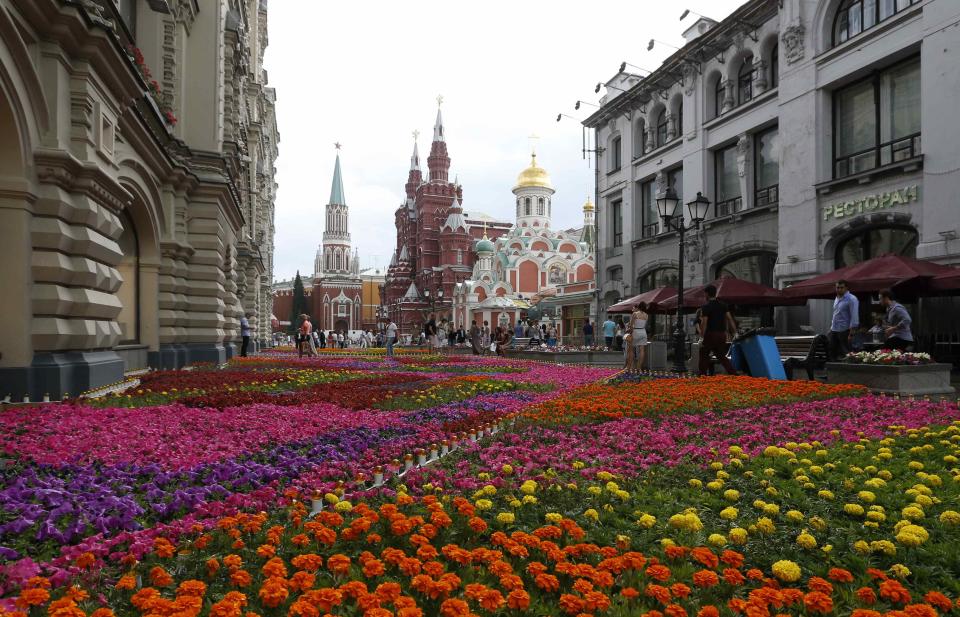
(821, 130)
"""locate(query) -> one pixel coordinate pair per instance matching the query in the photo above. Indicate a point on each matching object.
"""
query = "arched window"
(745, 81)
(754, 267)
(875, 242)
(719, 94)
(526, 207)
(855, 16)
(540, 206)
(639, 138)
(678, 114)
(775, 66)
(661, 277)
(661, 122)
(518, 206)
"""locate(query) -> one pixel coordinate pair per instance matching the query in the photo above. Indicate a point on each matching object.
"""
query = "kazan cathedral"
(532, 264)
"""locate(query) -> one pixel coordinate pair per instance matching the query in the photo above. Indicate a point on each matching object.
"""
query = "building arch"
(660, 273)
(715, 94)
(872, 236)
(755, 266)
(22, 102)
(639, 137)
(528, 276)
(770, 54)
(740, 77)
(676, 114)
(584, 272)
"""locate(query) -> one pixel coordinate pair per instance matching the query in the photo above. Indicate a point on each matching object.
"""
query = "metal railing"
(730, 206)
(886, 153)
(649, 231)
(768, 196)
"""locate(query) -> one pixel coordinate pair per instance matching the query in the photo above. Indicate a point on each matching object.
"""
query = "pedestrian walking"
(390, 336)
(475, 338)
(898, 333)
(846, 319)
(244, 335)
(715, 322)
(637, 327)
(431, 331)
(588, 334)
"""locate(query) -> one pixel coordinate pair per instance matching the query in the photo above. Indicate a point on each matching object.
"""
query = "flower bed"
(888, 357)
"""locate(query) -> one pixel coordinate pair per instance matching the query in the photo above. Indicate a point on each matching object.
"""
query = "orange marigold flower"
(732, 558)
(355, 589)
(819, 584)
(840, 575)
(894, 592)
(192, 587)
(388, 592)
(754, 574)
(308, 562)
(324, 599)
(373, 567)
(675, 610)
(582, 585)
(302, 581)
(570, 604)
(127, 581)
(368, 602)
(142, 598)
(938, 600)
(629, 593)
(865, 612)
(452, 607)
(866, 596)
(675, 552)
(877, 574)
(596, 601)
(338, 564)
(103, 612)
(679, 590)
(85, 560)
(240, 578)
(737, 605)
(920, 610)
(818, 602)
(518, 600)
(477, 524)
(33, 597)
(302, 608)
(705, 578)
(266, 551)
(708, 611)
(705, 556)
(159, 577)
(657, 592)
(732, 576)
(547, 582)
(658, 572)
(492, 600)
(274, 568)
(233, 561)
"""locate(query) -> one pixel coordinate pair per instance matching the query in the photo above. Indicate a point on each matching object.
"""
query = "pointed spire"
(438, 126)
(415, 157)
(336, 189)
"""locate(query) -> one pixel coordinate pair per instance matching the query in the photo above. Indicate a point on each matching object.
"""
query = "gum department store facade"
(823, 132)
(137, 148)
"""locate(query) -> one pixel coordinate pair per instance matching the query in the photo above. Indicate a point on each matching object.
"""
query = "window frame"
(915, 139)
(648, 229)
(662, 128)
(616, 154)
(764, 195)
(775, 66)
(843, 11)
(719, 94)
(616, 223)
(731, 205)
(745, 81)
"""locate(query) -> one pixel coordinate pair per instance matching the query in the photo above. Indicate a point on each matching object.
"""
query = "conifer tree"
(299, 304)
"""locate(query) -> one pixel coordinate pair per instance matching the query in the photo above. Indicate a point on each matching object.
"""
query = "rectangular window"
(616, 222)
(727, 181)
(615, 154)
(877, 120)
(648, 210)
(675, 181)
(766, 149)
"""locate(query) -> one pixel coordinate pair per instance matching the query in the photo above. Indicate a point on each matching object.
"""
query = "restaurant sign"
(871, 203)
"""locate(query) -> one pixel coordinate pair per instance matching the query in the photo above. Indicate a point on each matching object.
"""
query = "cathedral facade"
(435, 240)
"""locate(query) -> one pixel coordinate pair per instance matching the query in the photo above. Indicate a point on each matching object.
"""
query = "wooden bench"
(520, 342)
(809, 352)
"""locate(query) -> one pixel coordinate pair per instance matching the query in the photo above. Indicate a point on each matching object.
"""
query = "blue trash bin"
(759, 349)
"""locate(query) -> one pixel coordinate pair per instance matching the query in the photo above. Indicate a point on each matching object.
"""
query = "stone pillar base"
(172, 356)
(206, 352)
(232, 349)
(59, 373)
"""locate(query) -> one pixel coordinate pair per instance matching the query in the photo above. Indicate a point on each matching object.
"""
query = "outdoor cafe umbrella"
(732, 291)
(653, 299)
(947, 283)
(912, 276)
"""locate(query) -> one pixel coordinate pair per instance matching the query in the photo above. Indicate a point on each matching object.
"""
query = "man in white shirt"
(391, 337)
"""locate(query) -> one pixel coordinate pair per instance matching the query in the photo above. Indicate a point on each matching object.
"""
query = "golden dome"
(589, 207)
(534, 175)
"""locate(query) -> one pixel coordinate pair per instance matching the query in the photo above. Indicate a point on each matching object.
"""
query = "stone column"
(205, 280)
(729, 95)
(759, 76)
(671, 126)
(172, 299)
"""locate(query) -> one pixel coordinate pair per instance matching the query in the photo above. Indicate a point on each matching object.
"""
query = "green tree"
(299, 304)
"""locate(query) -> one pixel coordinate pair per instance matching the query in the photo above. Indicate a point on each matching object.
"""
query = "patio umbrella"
(947, 283)
(653, 298)
(733, 291)
(886, 271)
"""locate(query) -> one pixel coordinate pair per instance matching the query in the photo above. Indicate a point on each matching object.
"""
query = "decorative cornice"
(63, 170)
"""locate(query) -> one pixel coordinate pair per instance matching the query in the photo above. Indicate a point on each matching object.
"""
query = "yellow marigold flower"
(769, 472)
(507, 470)
(866, 496)
(715, 485)
(483, 476)
(735, 450)
(716, 539)
(924, 501)
(647, 521)
(950, 517)
(736, 463)
(915, 465)
(483, 504)
(875, 516)
(667, 543)
(529, 500)
(592, 514)
(853, 509)
(950, 459)
(528, 488)
(913, 513)
(343, 506)
(772, 492)
(825, 494)
(594, 490)
(883, 546)
(722, 475)
(553, 517)
(816, 470)
(759, 504)
(624, 495)
(771, 509)
(515, 503)
(687, 522)
(807, 541)
(611, 486)
(787, 571)
(331, 498)
(771, 451)
(738, 535)
(912, 535)
(729, 513)
(765, 525)
(489, 490)
(900, 571)
(578, 465)
(861, 547)
(506, 518)
(794, 516)
(604, 476)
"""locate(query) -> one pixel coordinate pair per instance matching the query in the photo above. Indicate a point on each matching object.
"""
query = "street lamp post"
(672, 214)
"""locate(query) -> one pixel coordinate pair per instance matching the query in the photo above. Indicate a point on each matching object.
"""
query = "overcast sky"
(367, 74)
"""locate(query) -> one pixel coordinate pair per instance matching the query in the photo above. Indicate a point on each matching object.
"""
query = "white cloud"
(367, 74)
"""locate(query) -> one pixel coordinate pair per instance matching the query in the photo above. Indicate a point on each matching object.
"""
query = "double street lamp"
(671, 212)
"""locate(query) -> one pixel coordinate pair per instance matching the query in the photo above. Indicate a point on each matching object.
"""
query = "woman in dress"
(475, 337)
(638, 335)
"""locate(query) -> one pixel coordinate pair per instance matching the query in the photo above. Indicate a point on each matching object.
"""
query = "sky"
(367, 74)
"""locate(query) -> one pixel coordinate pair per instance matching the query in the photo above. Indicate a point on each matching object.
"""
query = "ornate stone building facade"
(137, 148)
(435, 238)
(529, 262)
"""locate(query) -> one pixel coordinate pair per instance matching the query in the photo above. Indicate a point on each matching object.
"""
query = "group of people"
(309, 341)
(892, 329)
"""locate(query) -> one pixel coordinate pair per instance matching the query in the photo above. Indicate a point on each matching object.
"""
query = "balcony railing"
(649, 231)
(768, 196)
(613, 251)
(729, 206)
(886, 153)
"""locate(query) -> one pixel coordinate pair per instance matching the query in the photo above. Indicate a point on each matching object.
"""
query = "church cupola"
(589, 236)
(534, 194)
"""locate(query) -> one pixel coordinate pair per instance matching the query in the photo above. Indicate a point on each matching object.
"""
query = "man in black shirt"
(431, 331)
(715, 322)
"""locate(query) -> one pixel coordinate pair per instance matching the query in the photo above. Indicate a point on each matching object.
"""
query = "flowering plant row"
(888, 357)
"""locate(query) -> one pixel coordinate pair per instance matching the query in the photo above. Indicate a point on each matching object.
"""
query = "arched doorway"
(129, 291)
(869, 243)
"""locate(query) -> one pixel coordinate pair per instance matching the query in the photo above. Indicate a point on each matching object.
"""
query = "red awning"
(886, 271)
(948, 282)
(733, 291)
(654, 298)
